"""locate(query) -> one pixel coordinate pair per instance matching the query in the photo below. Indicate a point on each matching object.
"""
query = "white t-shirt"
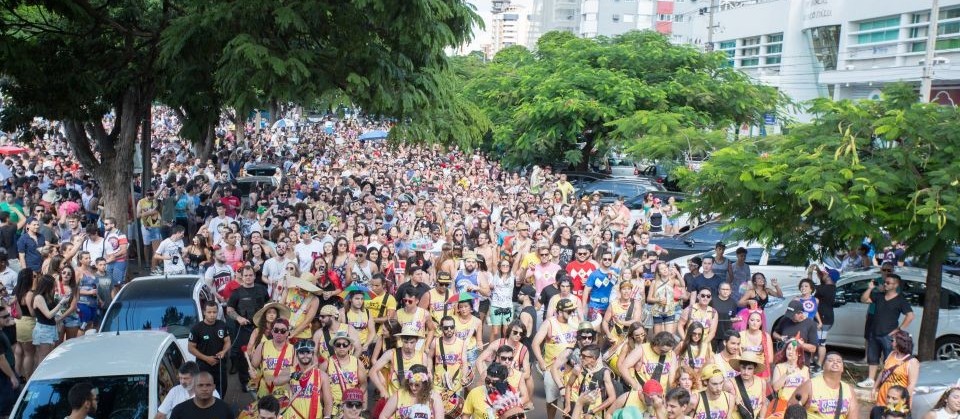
(168, 247)
(214, 224)
(307, 252)
(8, 278)
(176, 396)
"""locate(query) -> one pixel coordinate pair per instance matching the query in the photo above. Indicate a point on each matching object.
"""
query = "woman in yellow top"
(468, 328)
(755, 340)
(407, 354)
(298, 296)
(787, 375)
(644, 362)
(901, 368)
(415, 399)
(275, 360)
(359, 319)
(621, 314)
(638, 336)
(695, 351)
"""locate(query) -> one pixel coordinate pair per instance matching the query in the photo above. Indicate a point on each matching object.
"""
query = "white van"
(132, 372)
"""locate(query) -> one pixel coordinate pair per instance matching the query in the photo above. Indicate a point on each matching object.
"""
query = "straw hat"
(749, 357)
(410, 330)
(282, 312)
(302, 284)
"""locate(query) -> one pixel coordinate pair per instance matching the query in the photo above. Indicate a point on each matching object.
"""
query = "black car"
(611, 189)
(661, 174)
(698, 240)
(580, 178)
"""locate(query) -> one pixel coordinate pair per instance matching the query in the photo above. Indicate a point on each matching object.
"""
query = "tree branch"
(80, 143)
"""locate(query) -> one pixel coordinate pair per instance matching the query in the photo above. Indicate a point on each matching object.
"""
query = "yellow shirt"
(343, 375)
(374, 304)
(476, 404)
(467, 330)
(438, 303)
(562, 336)
(455, 358)
(322, 349)
(648, 365)
(408, 408)
(299, 304)
(418, 319)
(393, 384)
(754, 393)
(823, 400)
(271, 356)
(360, 322)
(302, 397)
(718, 407)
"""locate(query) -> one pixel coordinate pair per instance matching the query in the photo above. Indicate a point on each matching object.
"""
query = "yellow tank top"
(619, 317)
(754, 394)
(322, 349)
(696, 356)
(718, 407)
(728, 371)
(453, 354)
(359, 322)
(417, 319)
(408, 408)
(587, 382)
(299, 304)
(792, 381)
(562, 336)
(271, 356)
(823, 400)
(648, 365)
(394, 383)
(343, 375)
(702, 316)
(302, 394)
(438, 304)
(467, 330)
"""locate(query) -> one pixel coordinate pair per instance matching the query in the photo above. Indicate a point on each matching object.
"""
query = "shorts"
(484, 306)
(594, 312)
(504, 318)
(44, 334)
(550, 388)
(664, 319)
(878, 347)
(88, 313)
(151, 234)
(822, 334)
(25, 325)
(72, 320)
(672, 221)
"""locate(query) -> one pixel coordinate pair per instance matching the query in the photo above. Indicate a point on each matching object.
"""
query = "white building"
(510, 26)
(844, 49)
(592, 18)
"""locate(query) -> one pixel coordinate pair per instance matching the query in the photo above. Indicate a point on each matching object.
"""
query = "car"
(934, 378)
(261, 176)
(774, 262)
(580, 178)
(131, 372)
(660, 173)
(847, 306)
(695, 241)
(613, 188)
(167, 303)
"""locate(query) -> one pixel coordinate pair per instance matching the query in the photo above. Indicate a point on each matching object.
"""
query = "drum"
(452, 404)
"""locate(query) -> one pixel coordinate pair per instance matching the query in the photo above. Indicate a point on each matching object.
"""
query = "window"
(880, 23)
(942, 44)
(777, 37)
(174, 316)
(778, 258)
(628, 18)
(920, 32)
(709, 233)
(728, 44)
(751, 41)
(749, 52)
(774, 49)
(869, 38)
(772, 60)
(750, 62)
(851, 292)
(664, 17)
(948, 28)
(119, 396)
(920, 17)
(949, 13)
(616, 18)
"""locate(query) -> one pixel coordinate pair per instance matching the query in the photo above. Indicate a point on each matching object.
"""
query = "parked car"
(773, 262)
(266, 177)
(167, 303)
(847, 306)
(934, 378)
(697, 240)
(613, 188)
(580, 178)
(660, 173)
(130, 370)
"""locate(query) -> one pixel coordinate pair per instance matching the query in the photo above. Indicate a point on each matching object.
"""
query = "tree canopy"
(574, 97)
(882, 169)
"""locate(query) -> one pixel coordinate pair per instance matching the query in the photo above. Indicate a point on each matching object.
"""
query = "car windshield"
(118, 397)
(709, 233)
(174, 316)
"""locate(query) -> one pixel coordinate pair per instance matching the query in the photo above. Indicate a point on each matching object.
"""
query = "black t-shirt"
(725, 311)
(418, 289)
(532, 312)
(826, 293)
(701, 282)
(247, 301)
(8, 239)
(189, 410)
(208, 338)
(806, 328)
(546, 295)
(887, 317)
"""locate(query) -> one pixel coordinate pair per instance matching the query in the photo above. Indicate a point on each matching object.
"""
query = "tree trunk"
(146, 134)
(205, 147)
(931, 306)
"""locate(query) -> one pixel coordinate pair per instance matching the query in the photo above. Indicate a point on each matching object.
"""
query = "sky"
(481, 36)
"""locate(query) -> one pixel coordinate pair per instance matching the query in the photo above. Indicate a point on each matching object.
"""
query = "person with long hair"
(25, 351)
(197, 254)
(415, 398)
(67, 289)
(45, 332)
(755, 339)
(636, 335)
(621, 313)
(759, 291)
(663, 299)
(695, 350)
(900, 368)
(947, 407)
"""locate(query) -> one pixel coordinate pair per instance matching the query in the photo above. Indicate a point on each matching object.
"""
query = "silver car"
(850, 314)
(934, 378)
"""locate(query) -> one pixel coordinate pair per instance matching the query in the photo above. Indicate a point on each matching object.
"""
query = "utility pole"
(926, 82)
(712, 11)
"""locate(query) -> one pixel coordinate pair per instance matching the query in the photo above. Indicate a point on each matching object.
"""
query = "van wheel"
(948, 347)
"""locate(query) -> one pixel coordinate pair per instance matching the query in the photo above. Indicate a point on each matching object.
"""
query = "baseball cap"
(305, 345)
(795, 307)
(528, 291)
(565, 305)
(353, 395)
(652, 387)
(710, 371)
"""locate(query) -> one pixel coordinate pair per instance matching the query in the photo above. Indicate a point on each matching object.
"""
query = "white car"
(934, 378)
(166, 303)
(772, 262)
(129, 370)
(851, 314)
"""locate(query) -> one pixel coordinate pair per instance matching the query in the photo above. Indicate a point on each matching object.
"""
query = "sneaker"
(868, 383)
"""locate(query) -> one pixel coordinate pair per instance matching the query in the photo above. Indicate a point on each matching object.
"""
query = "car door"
(850, 314)
(167, 371)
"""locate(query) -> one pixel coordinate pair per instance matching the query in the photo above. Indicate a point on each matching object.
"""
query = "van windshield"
(118, 397)
(175, 316)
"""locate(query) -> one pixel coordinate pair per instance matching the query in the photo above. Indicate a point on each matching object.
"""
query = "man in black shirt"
(890, 305)
(795, 323)
(726, 308)
(244, 302)
(209, 341)
(415, 284)
(203, 405)
(8, 237)
(826, 294)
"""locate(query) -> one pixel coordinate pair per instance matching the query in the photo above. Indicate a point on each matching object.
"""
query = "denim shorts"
(44, 334)
(72, 320)
(878, 347)
(151, 234)
(664, 319)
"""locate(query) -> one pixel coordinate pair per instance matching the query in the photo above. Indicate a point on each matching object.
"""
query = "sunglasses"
(706, 296)
(586, 337)
(505, 358)
(305, 352)
(341, 345)
(353, 405)
(448, 327)
(607, 259)
(278, 330)
(517, 333)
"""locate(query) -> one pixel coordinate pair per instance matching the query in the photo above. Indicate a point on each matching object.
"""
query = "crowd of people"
(405, 281)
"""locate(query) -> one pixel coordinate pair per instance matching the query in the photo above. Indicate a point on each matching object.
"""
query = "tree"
(577, 98)
(861, 169)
